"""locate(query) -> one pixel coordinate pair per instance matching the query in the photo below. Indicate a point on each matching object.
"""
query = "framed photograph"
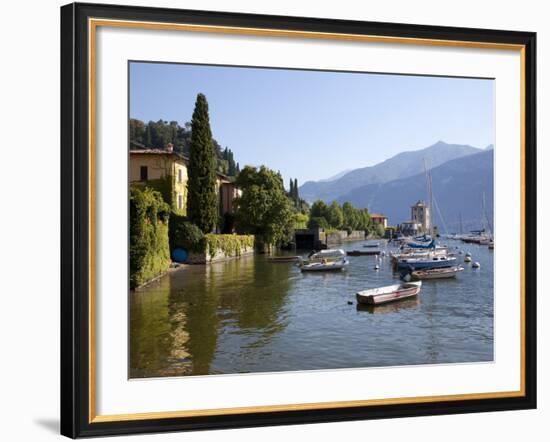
(274, 220)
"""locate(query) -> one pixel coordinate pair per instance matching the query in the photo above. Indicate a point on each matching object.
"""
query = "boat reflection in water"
(391, 307)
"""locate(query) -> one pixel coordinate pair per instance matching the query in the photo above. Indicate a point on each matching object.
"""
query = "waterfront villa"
(166, 170)
(378, 218)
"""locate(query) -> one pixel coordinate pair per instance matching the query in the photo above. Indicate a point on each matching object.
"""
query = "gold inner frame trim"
(93, 24)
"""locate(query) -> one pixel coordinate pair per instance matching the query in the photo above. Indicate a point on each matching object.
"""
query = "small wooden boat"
(363, 252)
(391, 293)
(283, 259)
(320, 266)
(446, 272)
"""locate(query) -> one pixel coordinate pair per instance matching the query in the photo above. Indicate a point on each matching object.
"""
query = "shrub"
(185, 235)
(300, 220)
(149, 248)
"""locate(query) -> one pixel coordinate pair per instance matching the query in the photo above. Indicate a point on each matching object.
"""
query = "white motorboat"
(324, 260)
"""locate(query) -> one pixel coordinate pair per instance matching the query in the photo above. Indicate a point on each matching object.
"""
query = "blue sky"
(311, 125)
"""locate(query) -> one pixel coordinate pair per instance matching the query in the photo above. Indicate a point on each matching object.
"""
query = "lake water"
(251, 315)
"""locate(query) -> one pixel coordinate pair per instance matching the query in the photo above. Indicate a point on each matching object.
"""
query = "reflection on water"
(250, 315)
(392, 307)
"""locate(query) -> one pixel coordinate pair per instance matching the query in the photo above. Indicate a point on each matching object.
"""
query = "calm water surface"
(250, 315)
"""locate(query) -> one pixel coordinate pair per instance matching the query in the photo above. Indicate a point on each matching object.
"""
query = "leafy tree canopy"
(263, 209)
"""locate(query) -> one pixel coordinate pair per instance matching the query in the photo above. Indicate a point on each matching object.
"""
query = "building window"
(180, 201)
(143, 173)
(180, 176)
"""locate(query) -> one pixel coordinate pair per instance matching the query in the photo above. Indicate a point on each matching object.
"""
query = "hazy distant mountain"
(335, 177)
(400, 166)
(458, 188)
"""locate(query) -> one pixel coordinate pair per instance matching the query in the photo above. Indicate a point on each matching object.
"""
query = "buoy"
(376, 267)
(476, 265)
(468, 254)
(460, 252)
(350, 303)
(467, 259)
(180, 255)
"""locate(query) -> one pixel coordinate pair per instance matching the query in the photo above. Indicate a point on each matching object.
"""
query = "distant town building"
(149, 165)
(420, 214)
(378, 218)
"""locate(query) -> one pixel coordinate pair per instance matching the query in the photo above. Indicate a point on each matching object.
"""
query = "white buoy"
(467, 259)
(476, 265)
(376, 267)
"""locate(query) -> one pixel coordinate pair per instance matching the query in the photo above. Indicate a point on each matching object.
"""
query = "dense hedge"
(230, 245)
(149, 249)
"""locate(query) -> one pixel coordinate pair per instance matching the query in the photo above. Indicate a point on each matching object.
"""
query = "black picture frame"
(75, 220)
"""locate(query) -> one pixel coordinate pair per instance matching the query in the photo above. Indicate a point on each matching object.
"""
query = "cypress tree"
(296, 196)
(202, 205)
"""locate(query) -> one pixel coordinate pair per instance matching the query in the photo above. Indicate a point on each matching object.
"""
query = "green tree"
(379, 230)
(351, 215)
(319, 210)
(335, 215)
(136, 131)
(202, 201)
(364, 220)
(317, 222)
(263, 209)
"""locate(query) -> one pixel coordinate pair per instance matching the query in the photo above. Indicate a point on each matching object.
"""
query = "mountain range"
(462, 176)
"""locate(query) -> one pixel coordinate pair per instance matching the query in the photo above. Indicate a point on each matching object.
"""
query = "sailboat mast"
(432, 213)
(430, 197)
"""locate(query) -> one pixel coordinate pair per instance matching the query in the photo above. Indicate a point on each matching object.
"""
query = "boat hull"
(389, 294)
(327, 267)
(443, 273)
(422, 264)
(363, 252)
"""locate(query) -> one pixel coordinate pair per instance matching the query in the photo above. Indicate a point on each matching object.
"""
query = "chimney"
(170, 147)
